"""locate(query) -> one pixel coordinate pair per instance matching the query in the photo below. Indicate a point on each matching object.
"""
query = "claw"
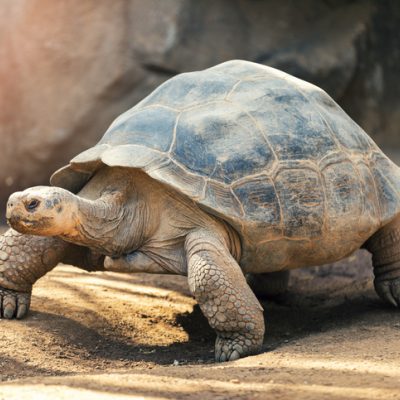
(234, 356)
(230, 349)
(24, 301)
(389, 291)
(395, 289)
(9, 306)
(13, 304)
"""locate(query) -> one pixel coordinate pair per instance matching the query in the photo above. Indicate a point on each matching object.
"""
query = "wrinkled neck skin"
(116, 221)
(121, 211)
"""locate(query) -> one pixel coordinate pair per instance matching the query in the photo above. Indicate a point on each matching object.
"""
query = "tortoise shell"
(272, 155)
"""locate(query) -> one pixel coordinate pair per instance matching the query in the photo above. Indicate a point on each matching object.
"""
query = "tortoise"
(237, 169)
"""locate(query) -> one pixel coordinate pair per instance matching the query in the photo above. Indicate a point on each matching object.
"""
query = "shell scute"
(190, 89)
(239, 69)
(175, 176)
(260, 202)
(299, 191)
(283, 113)
(387, 181)
(221, 142)
(370, 215)
(220, 197)
(152, 127)
(343, 129)
(344, 194)
(133, 155)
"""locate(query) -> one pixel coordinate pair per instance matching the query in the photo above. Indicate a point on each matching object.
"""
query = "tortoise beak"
(12, 215)
(12, 201)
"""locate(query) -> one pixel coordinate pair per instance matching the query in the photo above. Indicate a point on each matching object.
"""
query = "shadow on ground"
(106, 334)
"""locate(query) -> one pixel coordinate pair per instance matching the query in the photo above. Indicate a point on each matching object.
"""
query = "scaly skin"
(26, 258)
(220, 288)
(23, 260)
(133, 262)
(385, 248)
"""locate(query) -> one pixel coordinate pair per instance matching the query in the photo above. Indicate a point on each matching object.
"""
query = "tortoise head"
(41, 210)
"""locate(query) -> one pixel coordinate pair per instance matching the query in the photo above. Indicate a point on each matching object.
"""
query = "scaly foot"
(232, 346)
(14, 304)
(389, 290)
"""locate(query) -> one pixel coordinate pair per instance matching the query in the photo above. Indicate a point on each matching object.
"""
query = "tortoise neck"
(97, 222)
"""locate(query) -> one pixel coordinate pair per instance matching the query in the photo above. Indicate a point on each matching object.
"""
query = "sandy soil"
(107, 335)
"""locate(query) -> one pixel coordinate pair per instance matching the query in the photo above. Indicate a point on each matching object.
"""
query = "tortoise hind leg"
(385, 248)
(268, 285)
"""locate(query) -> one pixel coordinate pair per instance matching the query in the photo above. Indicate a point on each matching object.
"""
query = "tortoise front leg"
(26, 258)
(23, 260)
(220, 288)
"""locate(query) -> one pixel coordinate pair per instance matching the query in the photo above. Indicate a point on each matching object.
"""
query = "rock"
(68, 68)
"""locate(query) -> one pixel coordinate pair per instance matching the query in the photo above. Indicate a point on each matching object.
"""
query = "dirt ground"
(107, 335)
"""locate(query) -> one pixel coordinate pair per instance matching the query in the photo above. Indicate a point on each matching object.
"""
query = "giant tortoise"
(237, 169)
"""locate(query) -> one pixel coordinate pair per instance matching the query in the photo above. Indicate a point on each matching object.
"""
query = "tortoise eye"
(32, 204)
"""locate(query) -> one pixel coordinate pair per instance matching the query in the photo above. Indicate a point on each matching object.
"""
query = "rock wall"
(69, 67)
